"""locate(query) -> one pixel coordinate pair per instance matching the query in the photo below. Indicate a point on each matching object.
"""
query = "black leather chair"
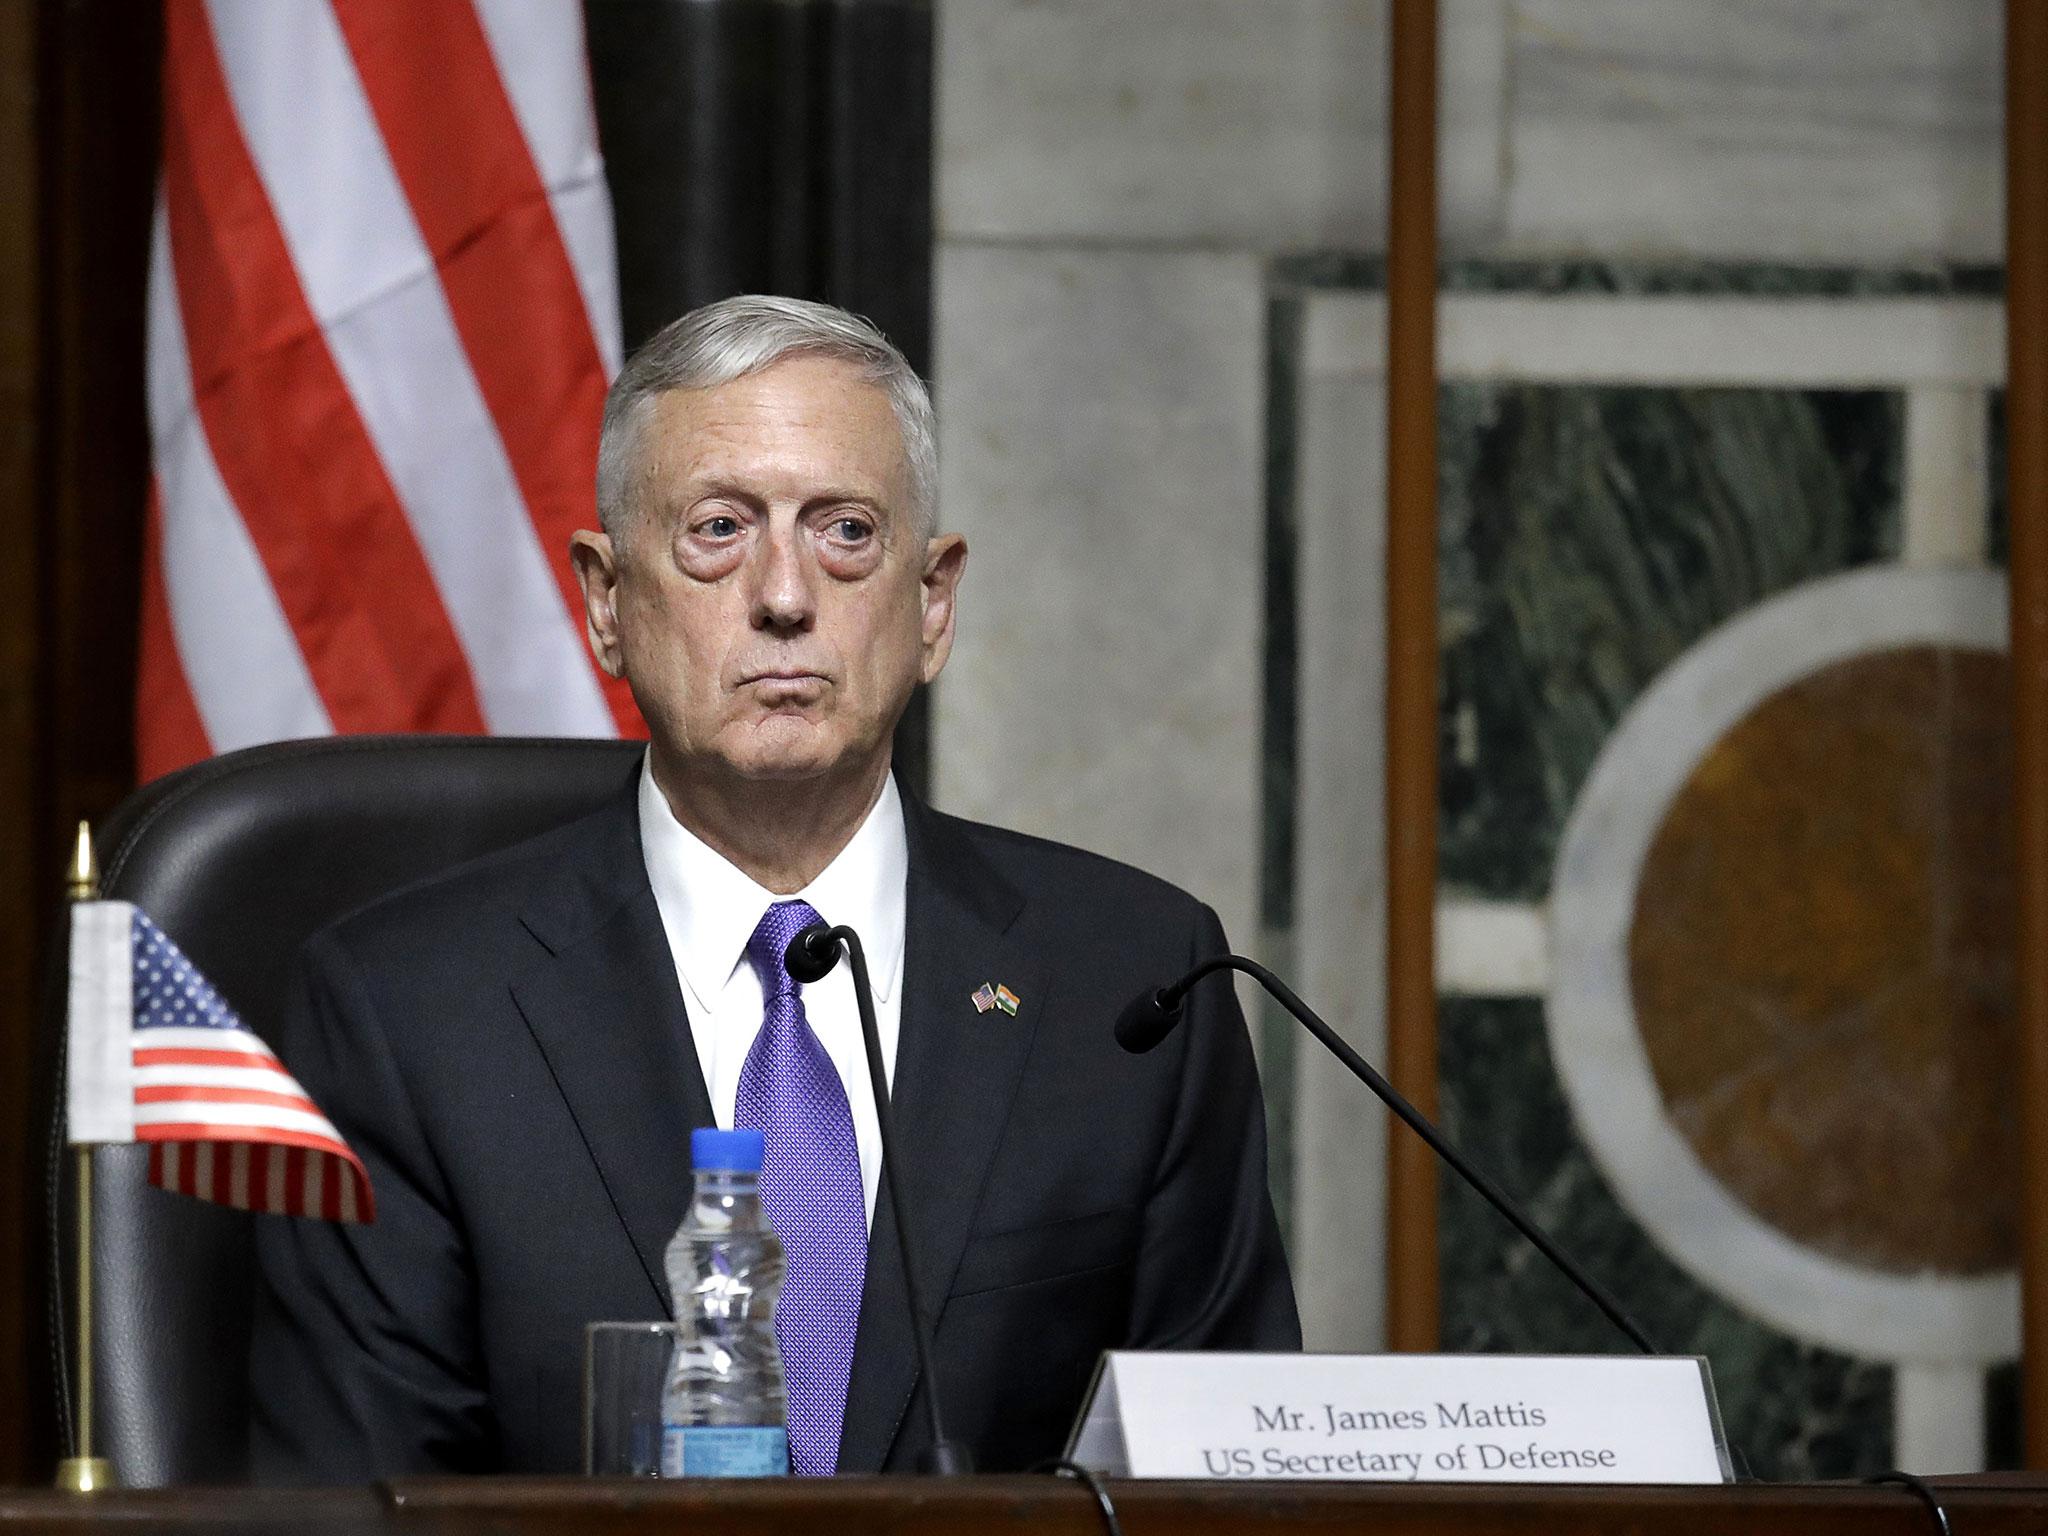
(240, 859)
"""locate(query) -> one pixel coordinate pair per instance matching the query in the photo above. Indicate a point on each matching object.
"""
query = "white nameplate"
(1404, 1418)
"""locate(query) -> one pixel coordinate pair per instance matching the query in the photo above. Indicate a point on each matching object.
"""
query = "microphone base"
(948, 1458)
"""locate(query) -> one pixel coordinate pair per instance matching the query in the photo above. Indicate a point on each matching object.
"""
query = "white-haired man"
(520, 1049)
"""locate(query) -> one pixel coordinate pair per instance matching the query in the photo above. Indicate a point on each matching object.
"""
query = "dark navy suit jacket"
(506, 1048)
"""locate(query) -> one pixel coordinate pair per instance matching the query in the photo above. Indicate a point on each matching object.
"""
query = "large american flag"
(382, 313)
(156, 1055)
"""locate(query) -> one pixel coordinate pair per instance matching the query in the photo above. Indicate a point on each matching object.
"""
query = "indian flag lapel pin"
(1007, 1000)
(984, 998)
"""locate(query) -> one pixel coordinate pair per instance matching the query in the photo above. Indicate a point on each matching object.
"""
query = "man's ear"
(945, 558)
(597, 573)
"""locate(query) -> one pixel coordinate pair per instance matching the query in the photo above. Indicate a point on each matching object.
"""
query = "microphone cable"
(1920, 1489)
(1059, 1466)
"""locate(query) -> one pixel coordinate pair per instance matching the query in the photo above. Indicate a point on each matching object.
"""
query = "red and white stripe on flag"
(382, 313)
(155, 1055)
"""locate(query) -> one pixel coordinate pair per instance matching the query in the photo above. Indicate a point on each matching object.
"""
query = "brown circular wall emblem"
(1821, 961)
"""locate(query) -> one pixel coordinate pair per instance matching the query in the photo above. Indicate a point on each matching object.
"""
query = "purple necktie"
(810, 1187)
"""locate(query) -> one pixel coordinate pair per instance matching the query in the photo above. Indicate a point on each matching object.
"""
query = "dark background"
(751, 145)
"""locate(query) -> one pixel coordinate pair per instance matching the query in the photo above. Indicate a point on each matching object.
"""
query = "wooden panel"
(100, 165)
(19, 358)
(1042, 1506)
(78, 127)
(1413, 1301)
(2026, 466)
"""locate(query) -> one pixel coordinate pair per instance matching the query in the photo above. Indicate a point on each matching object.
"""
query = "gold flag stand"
(83, 1472)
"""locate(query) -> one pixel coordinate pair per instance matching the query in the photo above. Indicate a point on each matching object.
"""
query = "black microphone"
(1150, 1017)
(811, 954)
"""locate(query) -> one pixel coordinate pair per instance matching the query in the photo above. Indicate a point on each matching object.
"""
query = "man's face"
(773, 603)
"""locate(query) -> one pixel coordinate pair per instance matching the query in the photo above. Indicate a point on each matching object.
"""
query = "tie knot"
(765, 950)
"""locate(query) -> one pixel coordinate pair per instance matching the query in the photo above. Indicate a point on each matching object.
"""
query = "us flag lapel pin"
(984, 998)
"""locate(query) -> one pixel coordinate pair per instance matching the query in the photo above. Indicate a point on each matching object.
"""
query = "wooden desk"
(1041, 1506)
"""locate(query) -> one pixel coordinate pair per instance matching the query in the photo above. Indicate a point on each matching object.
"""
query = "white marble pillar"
(1100, 445)
(1340, 907)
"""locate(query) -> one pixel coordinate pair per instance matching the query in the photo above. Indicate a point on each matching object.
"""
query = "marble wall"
(1803, 130)
(1629, 522)
(1717, 338)
(1827, 131)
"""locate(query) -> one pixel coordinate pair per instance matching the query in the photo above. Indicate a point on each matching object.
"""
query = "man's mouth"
(790, 687)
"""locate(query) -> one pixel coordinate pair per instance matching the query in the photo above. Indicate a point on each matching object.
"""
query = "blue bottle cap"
(734, 1151)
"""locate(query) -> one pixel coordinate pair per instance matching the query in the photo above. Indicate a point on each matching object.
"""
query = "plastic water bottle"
(724, 1410)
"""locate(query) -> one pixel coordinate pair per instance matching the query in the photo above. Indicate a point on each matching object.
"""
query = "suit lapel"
(956, 1074)
(608, 1015)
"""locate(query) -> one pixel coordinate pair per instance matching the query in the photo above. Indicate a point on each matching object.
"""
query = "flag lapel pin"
(1007, 1000)
(984, 998)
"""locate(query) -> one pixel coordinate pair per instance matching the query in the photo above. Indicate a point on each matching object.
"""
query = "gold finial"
(84, 879)
(85, 1474)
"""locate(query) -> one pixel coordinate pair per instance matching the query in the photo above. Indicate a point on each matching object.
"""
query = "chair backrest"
(239, 860)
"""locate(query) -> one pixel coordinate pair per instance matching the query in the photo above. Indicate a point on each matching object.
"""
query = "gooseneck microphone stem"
(1168, 1000)
(819, 942)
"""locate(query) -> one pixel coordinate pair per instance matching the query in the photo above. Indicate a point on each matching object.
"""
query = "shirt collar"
(709, 906)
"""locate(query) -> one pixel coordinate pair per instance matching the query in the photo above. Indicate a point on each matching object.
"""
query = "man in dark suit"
(519, 1049)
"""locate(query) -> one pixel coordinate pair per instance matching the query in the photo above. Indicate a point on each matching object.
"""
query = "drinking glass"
(624, 1367)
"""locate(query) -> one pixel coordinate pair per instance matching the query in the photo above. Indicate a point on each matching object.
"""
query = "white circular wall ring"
(1598, 1048)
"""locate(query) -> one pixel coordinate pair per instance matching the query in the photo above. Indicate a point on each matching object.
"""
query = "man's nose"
(784, 597)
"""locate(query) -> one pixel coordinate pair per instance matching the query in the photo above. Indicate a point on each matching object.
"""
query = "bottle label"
(724, 1450)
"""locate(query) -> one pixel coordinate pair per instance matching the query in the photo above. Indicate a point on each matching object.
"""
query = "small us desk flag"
(157, 1056)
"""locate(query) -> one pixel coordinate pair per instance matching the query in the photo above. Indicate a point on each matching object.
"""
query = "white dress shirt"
(709, 909)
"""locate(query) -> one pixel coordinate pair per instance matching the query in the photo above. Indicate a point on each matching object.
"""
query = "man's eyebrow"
(690, 491)
(836, 498)
(831, 496)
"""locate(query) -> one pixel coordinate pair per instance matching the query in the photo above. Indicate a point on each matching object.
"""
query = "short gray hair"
(739, 336)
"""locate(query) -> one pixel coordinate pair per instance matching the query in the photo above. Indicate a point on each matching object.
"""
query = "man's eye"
(850, 530)
(720, 527)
